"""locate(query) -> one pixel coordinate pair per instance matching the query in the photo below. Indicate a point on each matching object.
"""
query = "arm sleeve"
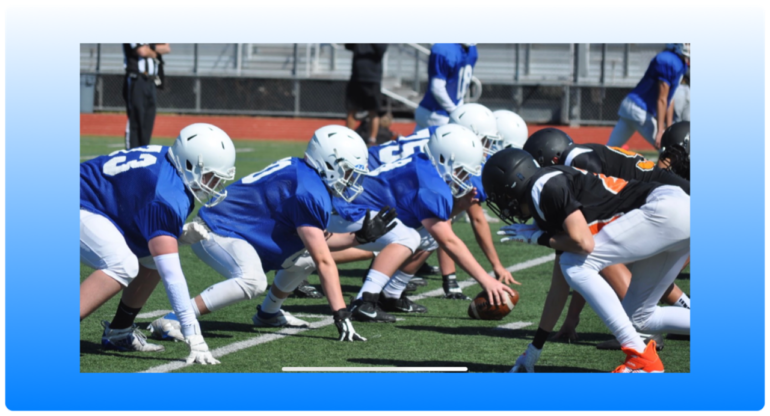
(557, 203)
(159, 219)
(430, 204)
(438, 89)
(588, 161)
(308, 211)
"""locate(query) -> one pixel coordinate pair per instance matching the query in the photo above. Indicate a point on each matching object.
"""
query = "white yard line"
(514, 325)
(328, 320)
(152, 314)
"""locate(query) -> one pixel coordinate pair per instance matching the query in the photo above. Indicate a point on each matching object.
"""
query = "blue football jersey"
(453, 63)
(411, 185)
(665, 66)
(140, 191)
(399, 149)
(266, 207)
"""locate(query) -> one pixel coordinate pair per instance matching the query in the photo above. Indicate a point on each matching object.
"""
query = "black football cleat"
(418, 281)
(402, 304)
(427, 270)
(367, 310)
(306, 290)
(452, 290)
(410, 288)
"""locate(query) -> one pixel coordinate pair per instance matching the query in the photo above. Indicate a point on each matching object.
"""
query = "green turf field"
(444, 337)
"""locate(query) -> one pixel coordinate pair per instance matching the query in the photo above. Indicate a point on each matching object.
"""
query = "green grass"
(445, 336)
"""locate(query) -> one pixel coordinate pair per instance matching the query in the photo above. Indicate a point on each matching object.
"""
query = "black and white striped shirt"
(133, 63)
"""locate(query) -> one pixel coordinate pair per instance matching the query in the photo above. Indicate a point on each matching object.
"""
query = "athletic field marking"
(375, 369)
(237, 346)
(152, 314)
(244, 150)
(514, 325)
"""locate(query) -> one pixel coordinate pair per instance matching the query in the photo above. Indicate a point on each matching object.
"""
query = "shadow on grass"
(586, 338)
(93, 348)
(683, 276)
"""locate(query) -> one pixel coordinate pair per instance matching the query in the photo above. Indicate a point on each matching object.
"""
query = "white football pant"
(426, 118)
(103, 247)
(654, 241)
(633, 118)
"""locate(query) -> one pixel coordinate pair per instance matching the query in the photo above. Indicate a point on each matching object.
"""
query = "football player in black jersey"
(675, 149)
(595, 221)
(551, 147)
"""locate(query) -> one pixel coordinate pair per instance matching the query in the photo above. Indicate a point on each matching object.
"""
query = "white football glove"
(193, 232)
(526, 362)
(523, 233)
(199, 351)
(345, 326)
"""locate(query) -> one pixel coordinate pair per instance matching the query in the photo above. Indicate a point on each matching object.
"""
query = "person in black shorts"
(363, 90)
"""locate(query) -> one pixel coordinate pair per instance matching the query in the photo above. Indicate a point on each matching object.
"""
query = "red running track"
(296, 129)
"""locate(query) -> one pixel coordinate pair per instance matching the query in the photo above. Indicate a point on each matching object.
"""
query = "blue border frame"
(727, 352)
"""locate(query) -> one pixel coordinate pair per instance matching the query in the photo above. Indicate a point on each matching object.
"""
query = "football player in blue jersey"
(133, 205)
(426, 189)
(272, 217)
(450, 70)
(647, 108)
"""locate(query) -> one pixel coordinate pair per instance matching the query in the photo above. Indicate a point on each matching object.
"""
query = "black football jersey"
(620, 163)
(555, 192)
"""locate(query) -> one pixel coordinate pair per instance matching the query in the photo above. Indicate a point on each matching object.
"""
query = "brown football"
(480, 308)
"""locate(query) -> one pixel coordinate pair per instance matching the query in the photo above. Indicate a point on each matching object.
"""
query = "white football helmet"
(681, 49)
(204, 156)
(457, 154)
(480, 121)
(512, 129)
(340, 156)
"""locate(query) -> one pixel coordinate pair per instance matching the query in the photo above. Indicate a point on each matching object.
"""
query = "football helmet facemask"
(340, 156)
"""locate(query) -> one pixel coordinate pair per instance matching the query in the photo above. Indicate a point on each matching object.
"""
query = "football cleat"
(280, 319)
(427, 270)
(367, 310)
(646, 362)
(452, 290)
(613, 344)
(418, 281)
(166, 328)
(128, 339)
(306, 290)
(410, 288)
(678, 337)
(402, 304)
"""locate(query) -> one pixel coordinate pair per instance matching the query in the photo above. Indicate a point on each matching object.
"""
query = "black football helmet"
(547, 146)
(505, 178)
(675, 146)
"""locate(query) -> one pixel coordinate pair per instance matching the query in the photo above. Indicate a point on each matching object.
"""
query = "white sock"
(603, 300)
(397, 284)
(374, 283)
(271, 304)
(223, 294)
(683, 301)
(195, 308)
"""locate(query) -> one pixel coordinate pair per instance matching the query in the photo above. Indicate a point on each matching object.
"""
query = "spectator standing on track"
(682, 99)
(363, 91)
(142, 62)
(646, 108)
(450, 70)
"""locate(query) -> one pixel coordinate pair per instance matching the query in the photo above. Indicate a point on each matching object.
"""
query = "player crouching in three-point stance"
(596, 220)
(271, 218)
(133, 205)
(552, 146)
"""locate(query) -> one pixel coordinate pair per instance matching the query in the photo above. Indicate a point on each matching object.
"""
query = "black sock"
(540, 337)
(124, 316)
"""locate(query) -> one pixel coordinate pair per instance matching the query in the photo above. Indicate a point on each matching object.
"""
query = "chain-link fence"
(555, 83)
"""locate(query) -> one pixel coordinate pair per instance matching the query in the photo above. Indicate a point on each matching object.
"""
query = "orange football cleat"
(646, 362)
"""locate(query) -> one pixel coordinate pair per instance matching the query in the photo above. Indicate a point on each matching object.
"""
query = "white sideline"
(328, 320)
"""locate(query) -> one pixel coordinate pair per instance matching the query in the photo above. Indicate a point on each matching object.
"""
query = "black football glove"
(345, 327)
(377, 226)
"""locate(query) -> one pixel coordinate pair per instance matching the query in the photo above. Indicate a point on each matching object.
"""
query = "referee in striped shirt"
(141, 65)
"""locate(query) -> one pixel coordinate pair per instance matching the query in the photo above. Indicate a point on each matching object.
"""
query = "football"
(480, 308)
